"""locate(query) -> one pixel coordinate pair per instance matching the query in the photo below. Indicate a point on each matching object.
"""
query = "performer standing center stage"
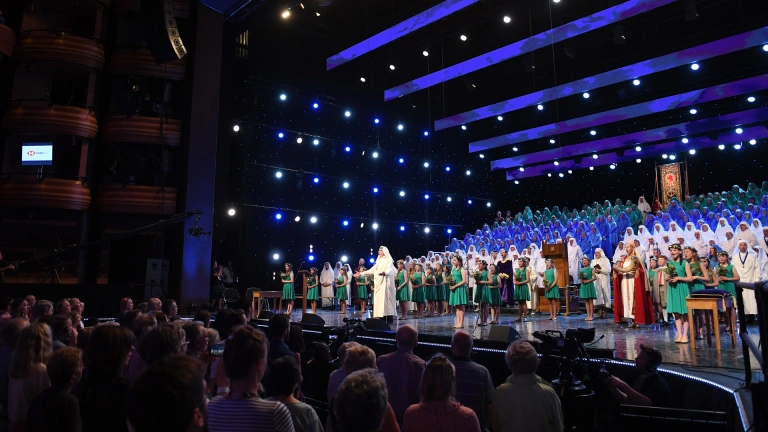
(383, 272)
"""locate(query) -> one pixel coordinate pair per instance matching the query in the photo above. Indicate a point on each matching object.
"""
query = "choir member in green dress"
(440, 291)
(551, 289)
(458, 288)
(726, 275)
(312, 289)
(522, 283)
(341, 290)
(494, 294)
(678, 292)
(401, 285)
(418, 282)
(430, 291)
(482, 296)
(288, 292)
(362, 291)
(700, 276)
(447, 287)
(587, 289)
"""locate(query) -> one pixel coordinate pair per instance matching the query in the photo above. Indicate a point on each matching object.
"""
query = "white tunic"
(326, 277)
(384, 303)
(749, 271)
(603, 282)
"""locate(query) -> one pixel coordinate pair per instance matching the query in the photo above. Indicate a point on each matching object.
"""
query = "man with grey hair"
(364, 388)
(155, 305)
(525, 400)
(402, 369)
(474, 386)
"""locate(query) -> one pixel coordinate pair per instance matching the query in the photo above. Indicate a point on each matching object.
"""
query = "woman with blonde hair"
(28, 374)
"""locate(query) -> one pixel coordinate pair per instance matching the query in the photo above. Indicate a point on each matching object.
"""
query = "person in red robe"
(633, 270)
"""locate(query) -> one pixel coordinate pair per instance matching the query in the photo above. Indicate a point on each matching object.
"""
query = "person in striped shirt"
(239, 407)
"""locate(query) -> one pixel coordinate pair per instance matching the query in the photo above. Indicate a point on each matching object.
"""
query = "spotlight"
(664, 156)
(447, 168)
(231, 211)
(343, 258)
(426, 196)
(345, 223)
(275, 257)
(721, 146)
(401, 160)
(347, 149)
(402, 228)
(737, 146)
(555, 1)
(463, 127)
(488, 204)
(591, 168)
(638, 148)
(557, 163)
(362, 79)
(311, 257)
(315, 105)
(549, 174)
(481, 156)
(426, 164)
(371, 260)
(540, 107)
(507, 19)
(313, 219)
(499, 118)
(280, 135)
(346, 185)
(517, 182)
(636, 82)
(692, 151)
(463, 38)
(297, 218)
(449, 231)
(426, 133)
(391, 67)
(593, 133)
(425, 53)
(375, 155)
(399, 127)
(285, 14)
(375, 226)
(283, 97)
(522, 169)
(402, 193)
(595, 156)
(376, 121)
(551, 141)
(375, 190)
(316, 180)
(685, 140)
(347, 113)
(299, 140)
(515, 149)
(426, 230)
(469, 202)
(570, 172)
(765, 47)
(753, 141)
(672, 157)
(638, 160)
(693, 111)
(739, 131)
(236, 128)
(561, 175)
(449, 199)
(279, 174)
(613, 166)
(278, 216)
(585, 95)
(749, 99)
(362, 224)
(695, 66)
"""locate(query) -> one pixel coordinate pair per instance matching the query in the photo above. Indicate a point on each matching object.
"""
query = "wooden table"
(710, 304)
(258, 295)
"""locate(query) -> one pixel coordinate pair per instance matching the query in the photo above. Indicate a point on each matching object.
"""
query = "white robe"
(747, 236)
(708, 234)
(574, 260)
(384, 302)
(326, 276)
(603, 281)
(721, 230)
(689, 233)
(749, 271)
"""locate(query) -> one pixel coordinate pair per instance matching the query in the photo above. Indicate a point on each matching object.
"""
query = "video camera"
(570, 345)
(337, 336)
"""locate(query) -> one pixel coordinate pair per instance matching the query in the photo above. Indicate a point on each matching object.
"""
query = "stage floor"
(617, 337)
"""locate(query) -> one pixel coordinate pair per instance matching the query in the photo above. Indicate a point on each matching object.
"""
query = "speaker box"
(265, 315)
(377, 324)
(312, 319)
(156, 279)
(162, 32)
(503, 334)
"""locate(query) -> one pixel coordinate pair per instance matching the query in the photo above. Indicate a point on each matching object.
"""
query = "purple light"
(397, 31)
(593, 22)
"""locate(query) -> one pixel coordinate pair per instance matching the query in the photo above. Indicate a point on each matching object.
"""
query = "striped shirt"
(248, 415)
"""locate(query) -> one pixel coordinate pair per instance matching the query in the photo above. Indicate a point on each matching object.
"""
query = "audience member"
(296, 344)
(84, 337)
(241, 408)
(160, 316)
(31, 301)
(164, 341)
(213, 337)
(279, 328)
(126, 305)
(63, 307)
(19, 307)
(102, 390)
(402, 370)
(10, 336)
(337, 376)
(197, 339)
(28, 377)
(317, 373)
(56, 409)
(155, 305)
(170, 309)
(4, 317)
(168, 396)
(42, 307)
(63, 333)
(204, 317)
(474, 386)
(143, 307)
(285, 378)
(129, 318)
(437, 409)
(5, 302)
(364, 388)
(650, 388)
(525, 401)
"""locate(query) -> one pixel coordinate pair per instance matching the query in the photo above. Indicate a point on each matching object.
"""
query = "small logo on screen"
(31, 153)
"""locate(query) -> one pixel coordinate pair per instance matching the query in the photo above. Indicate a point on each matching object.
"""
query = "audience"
(402, 371)
(56, 409)
(19, 308)
(42, 307)
(204, 317)
(9, 336)
(285, 379)
(63, 307)
(154, 305)
(279, 328)
(364, 388)
(241, 408)
(337, 376)
(438, 410)
(650, 388)
(317, 373)
(28, 377)
(525, 401)
(170, 309)
(163, 341)
(197, 339)
(169, 396)
(474, 386)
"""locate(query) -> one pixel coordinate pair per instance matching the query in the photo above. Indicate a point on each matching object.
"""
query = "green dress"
(441, 289)
(494, 294)
(729, 285)
(481, 290)
(677, 292)
(553, 293)
(341, 288)
(288, 292)
(458, 295)
(402, 294)
(522, 292)
(587, 290)
(362, 290)
(419, 296)
(312, 293)
(429, 290)
(696, 271)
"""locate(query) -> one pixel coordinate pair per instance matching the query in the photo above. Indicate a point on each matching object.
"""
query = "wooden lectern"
(304, 276)
(558, 253)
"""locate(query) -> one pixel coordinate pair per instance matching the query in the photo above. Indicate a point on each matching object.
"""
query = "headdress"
(675, 246)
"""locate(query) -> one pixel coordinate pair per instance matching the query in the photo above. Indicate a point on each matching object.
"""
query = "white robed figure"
(383, 272)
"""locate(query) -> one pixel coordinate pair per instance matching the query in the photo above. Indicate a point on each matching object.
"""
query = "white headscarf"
(721, 230)
(757, 228)
(673, 230)
(643, 235)
(708, 234)
(643, 205)
(618, 252)
(658, 233)
(602, 261)
(629, 238)
(701, 245)
(747, 234)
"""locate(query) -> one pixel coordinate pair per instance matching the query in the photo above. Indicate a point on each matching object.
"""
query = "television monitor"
(37, 154)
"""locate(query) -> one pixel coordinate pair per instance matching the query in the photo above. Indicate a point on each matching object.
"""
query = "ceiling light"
(556, 1)
(737, 146)
(515, 149)
(549, 174)
(231, 211)
(636, 82)
(765, 47)
(447, 168)
(316, 180)
(283, 97)
(488, 204)
(692, 151)
(400, 127)
(595, 156)
(426, 164)
(507, 19)
(540, 107)
(499, 118)
(685, 140)
(739, 131)
(275, 257)
(469, 201)
(315, 105)
(279, 174)
(693, 111)
(362, 79)
(463, 38)
(426, 230)
(426, 133)
(280, 135)
(375, 226)
(313, 219)
(672, 157)
(402, 228)
(299, 140)
(425, 53)
(522, 169)
(721, 146)
(346, 185)
(449, 199)
(591, 168)
(570, 172)
(638, 148)
(481, 156)
(375, 155)
(375, 190)
(585, 95)
(664, 156)
(561, 175)
(376, 121)
(347, 149)
(695, 66)
(401, 160)
(593, 133)
(402, 193)
(753, 141)
(426, 196)
(316, 142)
(468, 172)
(751, 99)
(391, 67)
(557, 163)
(347, 113)
(517, 182)
(297, 218)
(286, 14)
(463, 127)
(551, 141)
(236, 128)
(613, 166)
(638, 160)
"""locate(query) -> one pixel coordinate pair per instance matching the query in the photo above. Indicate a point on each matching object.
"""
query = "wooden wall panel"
(39, 117)
(139, 62)
(47, 193)
(138, 129)
(136, 199)
(7, 40)
(59, 47)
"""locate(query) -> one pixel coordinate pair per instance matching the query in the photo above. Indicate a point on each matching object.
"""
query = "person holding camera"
(650, 389)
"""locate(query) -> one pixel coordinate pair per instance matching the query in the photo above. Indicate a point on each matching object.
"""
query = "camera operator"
(650, 389)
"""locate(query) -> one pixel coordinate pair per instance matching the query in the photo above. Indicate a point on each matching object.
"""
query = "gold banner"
(671, 183)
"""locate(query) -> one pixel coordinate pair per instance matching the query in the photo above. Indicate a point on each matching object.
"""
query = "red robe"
(643, 306)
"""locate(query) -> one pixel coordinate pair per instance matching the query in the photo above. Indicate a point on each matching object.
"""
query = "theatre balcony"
(139, 62)
(55, 47)
(140, 129)
(119, 198)
(37, 117)
(54, 193)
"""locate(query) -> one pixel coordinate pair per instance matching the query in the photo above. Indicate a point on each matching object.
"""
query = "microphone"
(302, 263)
